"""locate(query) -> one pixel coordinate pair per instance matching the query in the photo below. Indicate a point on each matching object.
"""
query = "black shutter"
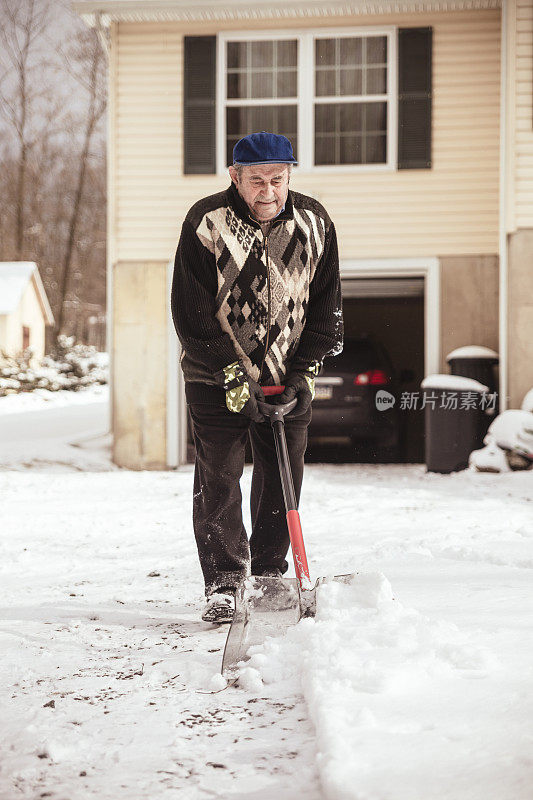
(199, 110)
(414, 98)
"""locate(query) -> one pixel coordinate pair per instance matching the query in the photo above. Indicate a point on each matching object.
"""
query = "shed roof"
(14, 278)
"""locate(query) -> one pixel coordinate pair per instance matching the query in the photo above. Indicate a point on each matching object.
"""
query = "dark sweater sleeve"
(194, 288)
(323, 331)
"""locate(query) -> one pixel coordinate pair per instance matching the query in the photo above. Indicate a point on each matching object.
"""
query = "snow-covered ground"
(40, 399)
(413, 683)
(62, 431)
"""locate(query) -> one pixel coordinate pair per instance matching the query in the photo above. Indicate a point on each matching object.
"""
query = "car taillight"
(373, 377)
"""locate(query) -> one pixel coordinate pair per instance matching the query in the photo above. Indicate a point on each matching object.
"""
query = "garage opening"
(389, 313)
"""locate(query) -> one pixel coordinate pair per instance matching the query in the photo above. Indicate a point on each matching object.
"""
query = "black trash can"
(455, 420)
(476, 362)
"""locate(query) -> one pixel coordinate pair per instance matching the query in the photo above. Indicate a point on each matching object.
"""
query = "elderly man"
(256, 302)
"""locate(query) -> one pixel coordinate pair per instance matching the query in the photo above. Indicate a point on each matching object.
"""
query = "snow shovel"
(266, 606)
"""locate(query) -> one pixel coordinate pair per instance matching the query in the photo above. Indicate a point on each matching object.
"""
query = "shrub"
(69, 366)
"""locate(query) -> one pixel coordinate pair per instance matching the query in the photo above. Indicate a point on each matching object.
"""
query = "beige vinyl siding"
(523, 138)
(450, 209)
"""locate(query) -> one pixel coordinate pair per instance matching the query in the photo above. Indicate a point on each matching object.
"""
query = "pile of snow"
(490, 458)
(69, 367)
(513, 430)
(375, 675)
(509, 441)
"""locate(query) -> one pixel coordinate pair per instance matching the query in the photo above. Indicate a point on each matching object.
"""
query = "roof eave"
(43, 298)
(183, 11)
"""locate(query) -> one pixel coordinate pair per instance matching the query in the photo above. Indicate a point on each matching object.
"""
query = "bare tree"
(52, 155)
(86, 63)
(25, 99)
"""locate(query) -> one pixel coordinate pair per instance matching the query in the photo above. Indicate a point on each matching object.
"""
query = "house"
(412, 122)
(24, 308)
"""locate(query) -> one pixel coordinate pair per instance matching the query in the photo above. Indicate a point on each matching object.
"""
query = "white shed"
(24, 308)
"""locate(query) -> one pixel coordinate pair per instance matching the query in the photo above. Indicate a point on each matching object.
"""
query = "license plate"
(323, 392)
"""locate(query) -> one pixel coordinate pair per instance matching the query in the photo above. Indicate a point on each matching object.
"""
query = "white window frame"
(306, 97)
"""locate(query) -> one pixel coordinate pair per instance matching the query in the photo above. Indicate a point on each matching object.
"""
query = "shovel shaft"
(293, 518)
(282, 452)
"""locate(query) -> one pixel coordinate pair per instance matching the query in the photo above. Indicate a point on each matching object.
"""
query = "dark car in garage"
(347, 407)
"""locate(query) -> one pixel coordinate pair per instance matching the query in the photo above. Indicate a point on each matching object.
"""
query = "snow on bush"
(513, 430)
(527, 402)
(69, 366)
(490, 458)
(508, 443)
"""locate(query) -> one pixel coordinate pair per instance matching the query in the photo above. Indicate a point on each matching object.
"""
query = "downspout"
(503, 261)
(111, 50)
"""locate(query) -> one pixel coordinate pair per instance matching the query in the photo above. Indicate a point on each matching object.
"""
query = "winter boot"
(270, 573)
(220, 606)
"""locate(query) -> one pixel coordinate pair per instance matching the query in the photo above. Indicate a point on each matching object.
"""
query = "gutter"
(111, 51)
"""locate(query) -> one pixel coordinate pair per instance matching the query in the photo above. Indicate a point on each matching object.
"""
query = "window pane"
(355, 65)
(376, 116)
(262, 69)
(376, 50)
(350, 133)
(376, 80)
(287, 54)
(287, 84)
(376, 149)
(351, 150)
(287, 122)
(324, 52)
(324, 150)
(351, 117)
(325, 83)
(262, 84)
(351, 81)
(262, 54)
(236, 55)
(236, 120)
(351, 51)
(261, 119)
(324, 118)
(237, 84)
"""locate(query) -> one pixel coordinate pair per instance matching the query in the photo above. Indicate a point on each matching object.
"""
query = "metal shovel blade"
(263, 607)
(267, 607)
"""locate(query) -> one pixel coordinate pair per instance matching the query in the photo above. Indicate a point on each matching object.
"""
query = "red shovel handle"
(298, 548)
(268, 391)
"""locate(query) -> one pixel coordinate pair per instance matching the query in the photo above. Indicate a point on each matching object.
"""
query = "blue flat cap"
(263, 148)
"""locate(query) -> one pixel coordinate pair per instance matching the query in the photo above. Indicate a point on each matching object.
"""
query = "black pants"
(220, 438)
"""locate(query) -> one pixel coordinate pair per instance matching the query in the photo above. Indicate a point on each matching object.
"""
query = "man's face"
(264, 188)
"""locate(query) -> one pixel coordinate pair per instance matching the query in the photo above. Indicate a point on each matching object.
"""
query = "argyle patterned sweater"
(269, 301)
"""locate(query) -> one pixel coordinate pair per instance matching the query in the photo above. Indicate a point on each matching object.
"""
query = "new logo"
(384, 400)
